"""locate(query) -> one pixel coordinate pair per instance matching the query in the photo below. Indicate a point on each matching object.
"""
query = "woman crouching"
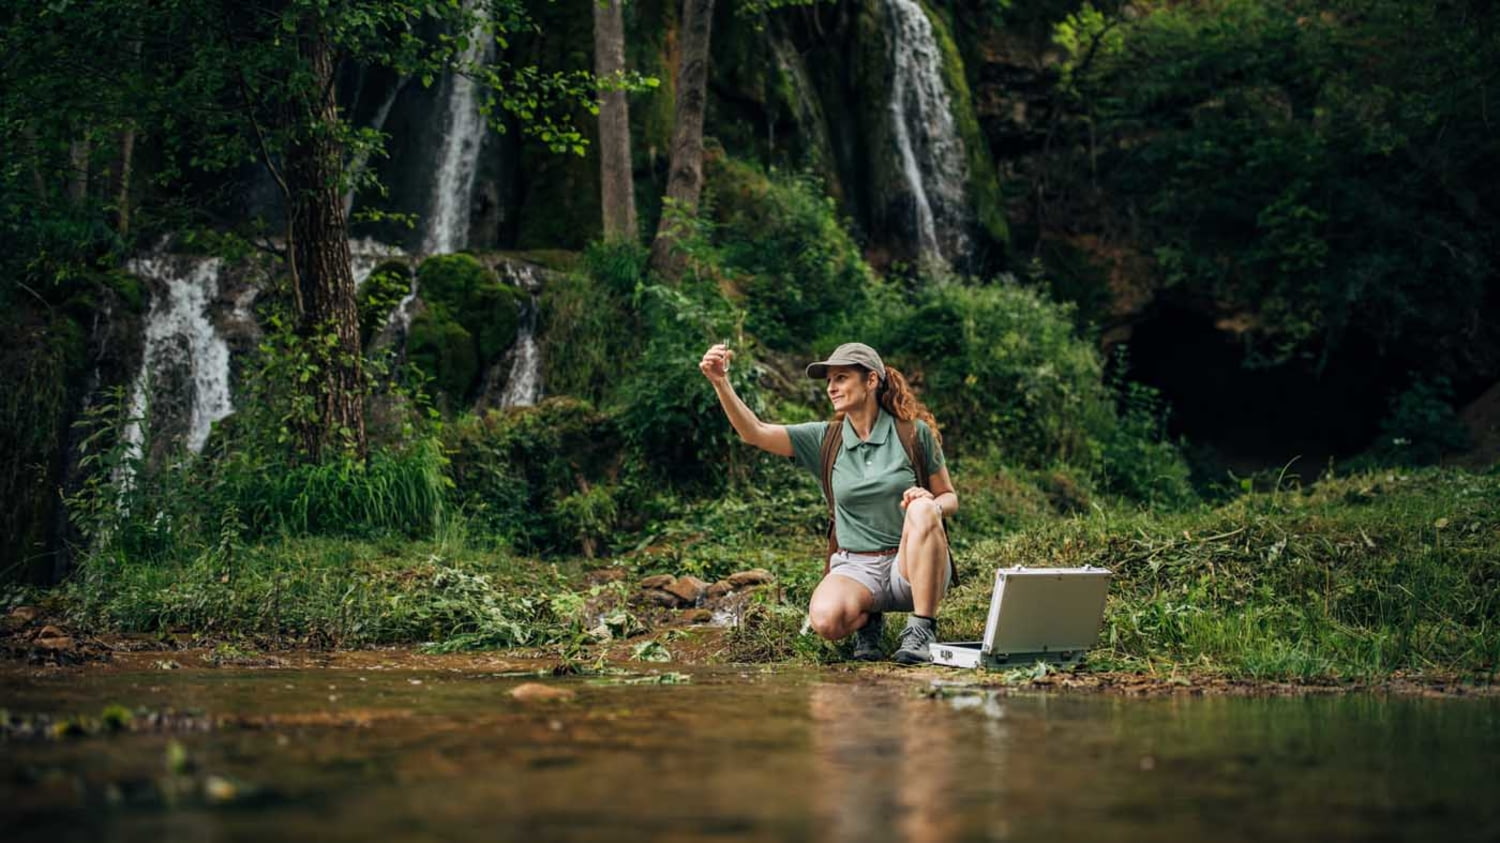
(888, 550)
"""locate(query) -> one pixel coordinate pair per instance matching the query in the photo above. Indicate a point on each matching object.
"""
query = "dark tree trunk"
(617, 186)
(318, 248)
(685, 177)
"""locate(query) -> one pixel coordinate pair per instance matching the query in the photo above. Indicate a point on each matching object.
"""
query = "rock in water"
(537, 692)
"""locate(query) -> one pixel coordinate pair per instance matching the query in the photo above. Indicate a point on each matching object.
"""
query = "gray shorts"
(879, 573)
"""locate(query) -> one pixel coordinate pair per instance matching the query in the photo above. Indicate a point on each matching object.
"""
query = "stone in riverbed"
(537, 692)
(658, 581)
(688, 589)
(653, 597)
(698, 616)
(746, 579)
(718, 589)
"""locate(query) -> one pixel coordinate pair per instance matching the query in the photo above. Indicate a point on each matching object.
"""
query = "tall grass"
(1355, 578)
(402, 491)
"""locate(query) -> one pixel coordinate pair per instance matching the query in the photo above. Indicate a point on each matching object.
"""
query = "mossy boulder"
(471, 317)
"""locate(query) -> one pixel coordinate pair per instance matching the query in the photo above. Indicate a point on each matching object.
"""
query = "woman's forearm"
(769, 437)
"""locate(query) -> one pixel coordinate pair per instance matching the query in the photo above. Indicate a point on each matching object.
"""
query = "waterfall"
(931, 152)
(458, 163)
(522, 364)
(181, 344)
(523, 379)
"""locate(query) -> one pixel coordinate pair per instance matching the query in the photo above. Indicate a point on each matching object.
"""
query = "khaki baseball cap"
(848, 354)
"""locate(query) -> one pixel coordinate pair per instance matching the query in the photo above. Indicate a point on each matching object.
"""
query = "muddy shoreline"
(54, 652)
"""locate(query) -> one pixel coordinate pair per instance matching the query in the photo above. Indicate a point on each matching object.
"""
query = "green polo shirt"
(868, 478)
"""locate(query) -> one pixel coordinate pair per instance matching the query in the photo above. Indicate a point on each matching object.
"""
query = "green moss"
(468, 306)
(984, 183)
(444, 350)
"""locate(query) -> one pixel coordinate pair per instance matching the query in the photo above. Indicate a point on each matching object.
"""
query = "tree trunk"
(617, 186)
(318, 247)
(685, 176)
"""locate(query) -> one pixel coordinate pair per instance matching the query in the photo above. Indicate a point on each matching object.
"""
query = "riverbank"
(1374, 581)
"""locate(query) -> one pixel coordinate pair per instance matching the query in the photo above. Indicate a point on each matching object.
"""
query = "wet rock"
(21, 616)
(718, 590)
(688, 589)
(698, 616)
(537, 692)
(664, 599)
(658, 581)
(754, 577)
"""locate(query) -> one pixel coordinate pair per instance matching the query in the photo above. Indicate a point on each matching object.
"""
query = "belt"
(888, 551)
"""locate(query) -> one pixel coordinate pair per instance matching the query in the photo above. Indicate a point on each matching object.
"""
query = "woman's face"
(850, 387)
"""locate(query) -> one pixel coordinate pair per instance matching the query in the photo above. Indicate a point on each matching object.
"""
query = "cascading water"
(182, 349)
(523, 382)
(448, 218)
(523, 363)
(931, 152)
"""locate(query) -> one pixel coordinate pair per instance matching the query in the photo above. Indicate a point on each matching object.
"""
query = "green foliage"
(668, 414)
(444, 350)
(1319, 167)
(591, 334)
(329, 592)
(800, 271)
(1355, 577)
(538, 478)
(1004, 371)
(1137, 458)
(398, 490)
(387, 285)
(1422, 426)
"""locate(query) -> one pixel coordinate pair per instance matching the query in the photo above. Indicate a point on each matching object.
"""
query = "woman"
(891, 550)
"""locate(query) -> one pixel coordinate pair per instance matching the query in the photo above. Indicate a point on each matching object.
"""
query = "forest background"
(1209, 307)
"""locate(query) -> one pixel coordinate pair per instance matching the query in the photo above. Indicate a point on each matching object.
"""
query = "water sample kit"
(1036, 614)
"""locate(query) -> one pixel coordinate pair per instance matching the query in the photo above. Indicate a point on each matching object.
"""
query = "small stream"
(741, 753)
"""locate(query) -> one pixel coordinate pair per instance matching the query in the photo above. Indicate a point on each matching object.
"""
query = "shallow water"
(745, 754)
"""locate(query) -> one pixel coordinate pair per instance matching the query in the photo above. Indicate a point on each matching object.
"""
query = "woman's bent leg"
(839, 606)
(924, 558)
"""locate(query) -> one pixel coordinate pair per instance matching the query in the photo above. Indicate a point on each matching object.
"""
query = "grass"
(1359, 577)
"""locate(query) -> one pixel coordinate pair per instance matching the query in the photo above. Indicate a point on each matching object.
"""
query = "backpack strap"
(832, 439)
(906, 431)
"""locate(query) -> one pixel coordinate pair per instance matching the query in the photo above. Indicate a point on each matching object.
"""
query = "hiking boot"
(867, 639)
(916, 641)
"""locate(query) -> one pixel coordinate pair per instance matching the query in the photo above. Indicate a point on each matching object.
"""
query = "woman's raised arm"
(767, 437)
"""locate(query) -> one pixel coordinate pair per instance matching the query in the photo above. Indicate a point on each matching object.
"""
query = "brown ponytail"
(895, 396)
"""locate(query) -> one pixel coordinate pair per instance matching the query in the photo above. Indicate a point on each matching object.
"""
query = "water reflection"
(784, 755)
(883, 763)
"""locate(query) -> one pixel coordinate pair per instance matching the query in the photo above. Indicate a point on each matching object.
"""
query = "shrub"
(668, 413)
(513, 470)
(1422, 426)
(590, 332)
(1003, 370)
(798, 267)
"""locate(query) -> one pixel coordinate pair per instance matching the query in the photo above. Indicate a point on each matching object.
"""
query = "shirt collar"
(878, 434)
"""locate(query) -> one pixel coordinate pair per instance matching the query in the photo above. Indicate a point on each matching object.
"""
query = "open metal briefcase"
(1036, 614)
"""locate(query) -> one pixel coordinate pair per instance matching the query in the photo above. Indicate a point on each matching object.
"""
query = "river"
(428, 753)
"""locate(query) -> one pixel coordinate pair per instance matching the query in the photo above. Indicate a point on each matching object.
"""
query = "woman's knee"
(921, 521)
(828, 620)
